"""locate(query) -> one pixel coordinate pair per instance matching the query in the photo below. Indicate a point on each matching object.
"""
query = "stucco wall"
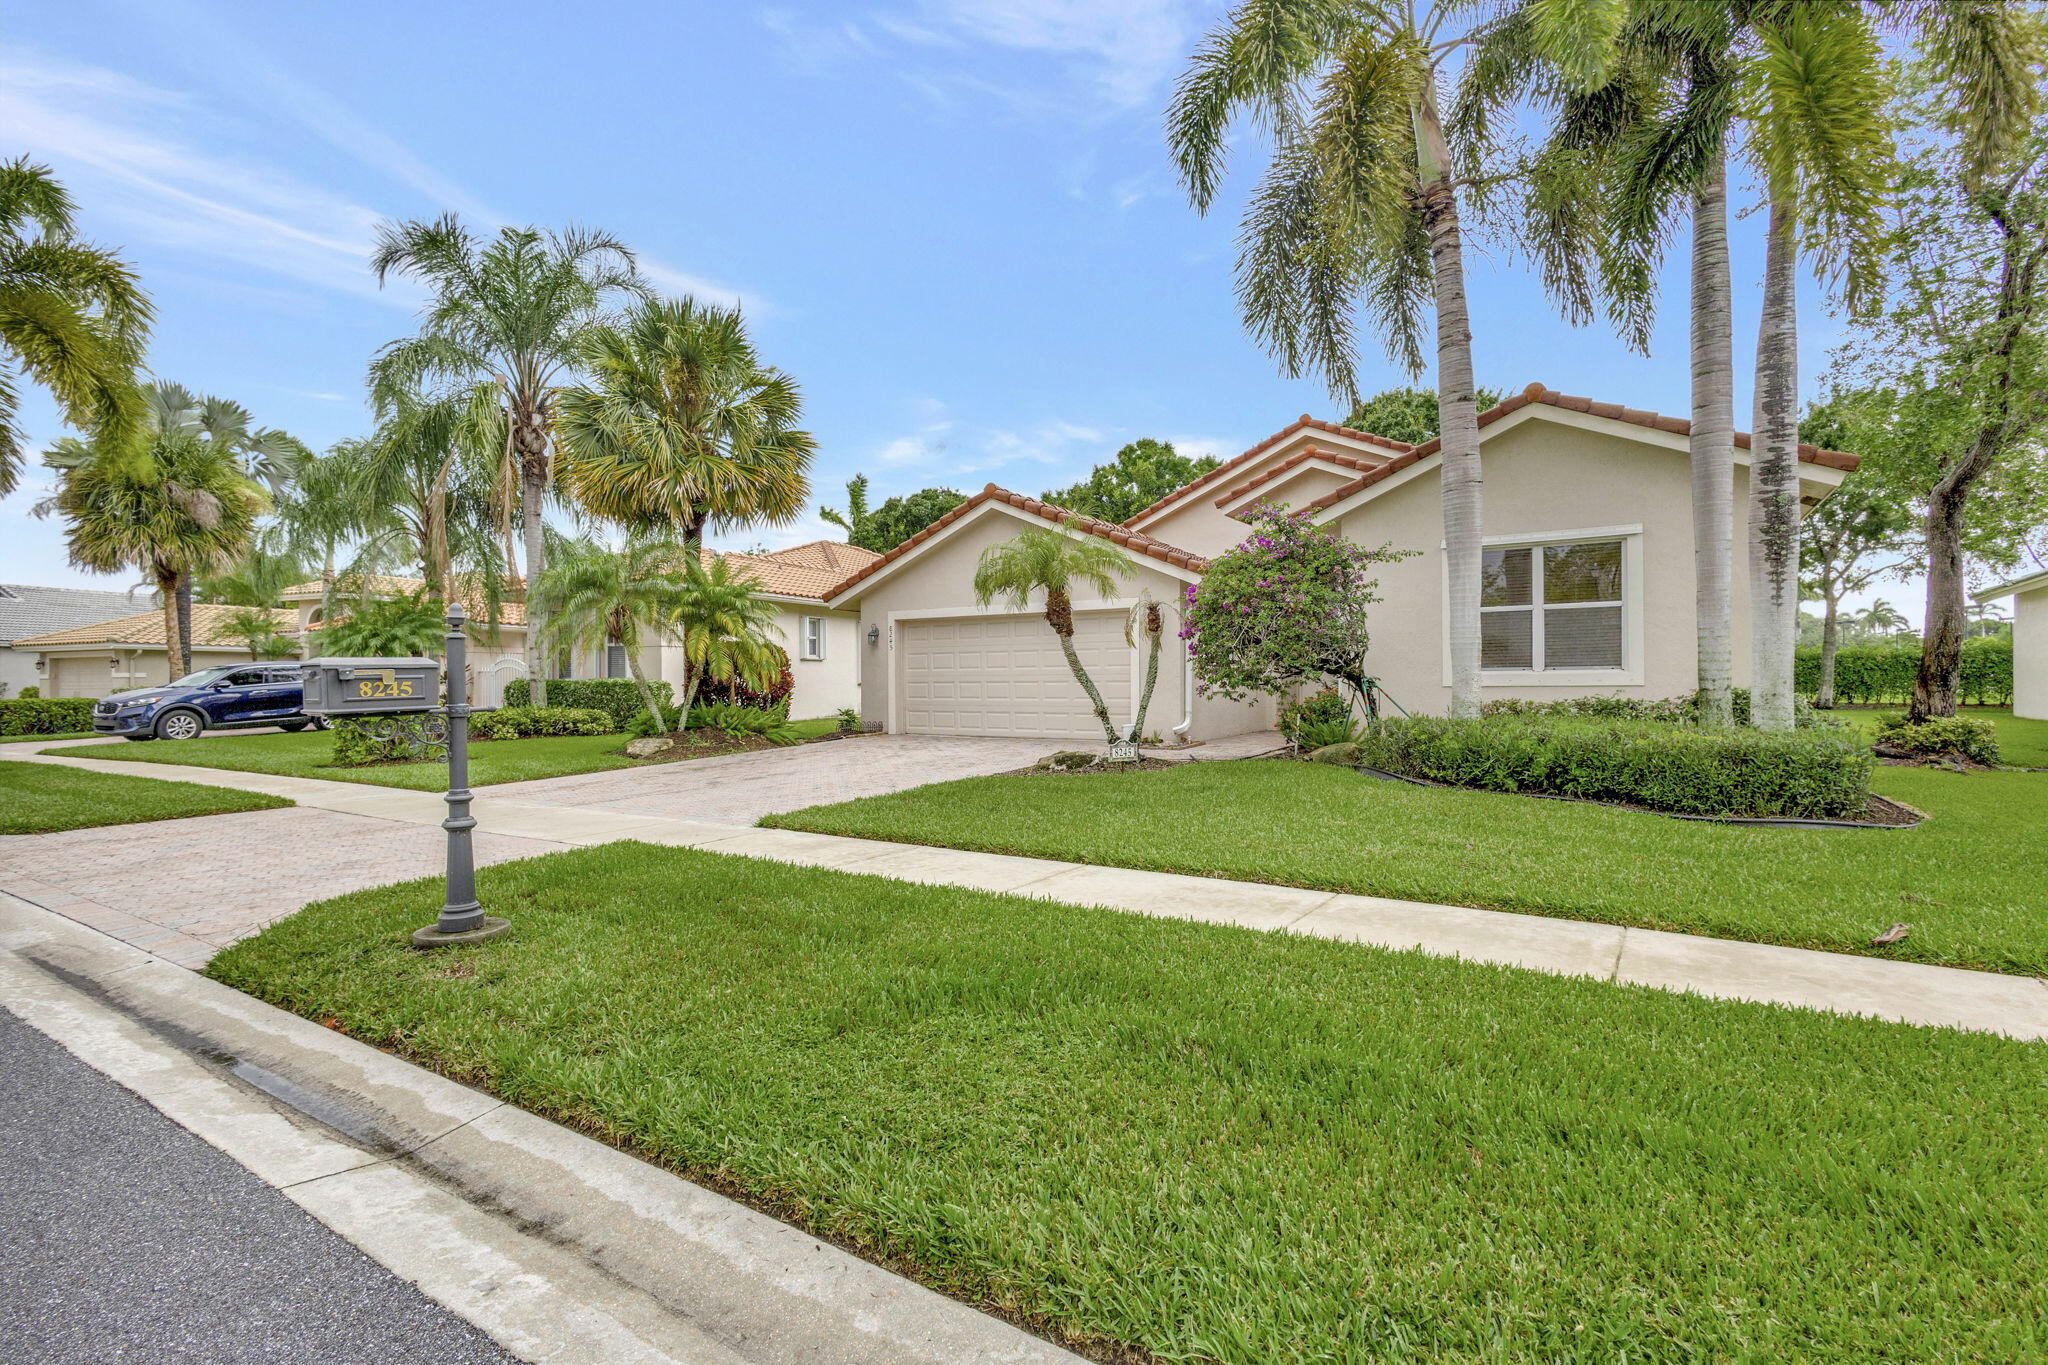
(1545, 478)
(2030, 654)
(88, 674)
(823, 686)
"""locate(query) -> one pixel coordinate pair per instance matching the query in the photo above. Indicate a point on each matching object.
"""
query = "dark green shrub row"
(1955, 737)
(1867, 674)
(1811, 773)
(525, 722)
(616, 697)
(1683, 710)
(45, 715)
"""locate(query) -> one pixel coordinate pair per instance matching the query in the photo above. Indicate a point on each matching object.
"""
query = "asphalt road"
(124, 1238)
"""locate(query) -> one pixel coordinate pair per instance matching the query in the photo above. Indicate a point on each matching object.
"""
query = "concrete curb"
(561, 1248)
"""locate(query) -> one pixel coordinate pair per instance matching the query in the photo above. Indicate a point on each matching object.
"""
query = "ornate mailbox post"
(392, 692)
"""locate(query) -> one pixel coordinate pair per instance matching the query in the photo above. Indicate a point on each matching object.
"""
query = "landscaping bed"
(711, 742)
(1171, 1141)
(1968, 880)
(41, 798)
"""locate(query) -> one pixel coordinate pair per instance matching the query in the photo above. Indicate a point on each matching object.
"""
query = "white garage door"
(77, 676)
(1006, 675)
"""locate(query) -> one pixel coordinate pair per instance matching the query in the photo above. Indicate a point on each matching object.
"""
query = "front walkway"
(1905, 991)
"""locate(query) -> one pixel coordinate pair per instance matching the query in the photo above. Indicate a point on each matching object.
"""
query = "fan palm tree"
(1052, 560)
(723, 629)
(595, 596)
(1359, 210)
(681, 426)
(513, 311)
(72, 317)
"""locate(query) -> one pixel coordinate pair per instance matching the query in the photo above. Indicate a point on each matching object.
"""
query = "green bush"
(526, 722)
(735, 691)
(29, 692)
(772, 725)
(1318, 719)
(39, 715)
(1878, 674)
(1813, 773)
(1683, 710)
(1954, 737)
(616, 697)
(356, 747)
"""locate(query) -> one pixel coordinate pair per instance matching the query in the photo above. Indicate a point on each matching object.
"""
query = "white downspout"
(1187, 691)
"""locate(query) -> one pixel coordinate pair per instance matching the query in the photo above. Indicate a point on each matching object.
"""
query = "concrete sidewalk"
(1908, 992)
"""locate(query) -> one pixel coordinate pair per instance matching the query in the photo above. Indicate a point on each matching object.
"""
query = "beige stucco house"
(2029, 642)
(128, 651)
(1589, 567)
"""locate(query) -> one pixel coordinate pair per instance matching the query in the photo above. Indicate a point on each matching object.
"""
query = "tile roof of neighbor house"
(1301, 423)
(209, 627)
(26, 610)
(1108, 530)
(511, 606)
(1295, 461)
(814, 570)
(1536, 393)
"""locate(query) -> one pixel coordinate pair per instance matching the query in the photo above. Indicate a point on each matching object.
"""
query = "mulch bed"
(708, 743)
(1142, 765)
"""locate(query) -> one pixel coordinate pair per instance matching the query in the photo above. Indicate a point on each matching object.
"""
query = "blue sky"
(952, 220)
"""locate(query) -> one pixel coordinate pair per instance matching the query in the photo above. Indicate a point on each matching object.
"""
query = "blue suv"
(228, 697)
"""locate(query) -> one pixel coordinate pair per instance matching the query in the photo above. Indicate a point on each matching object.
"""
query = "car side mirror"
(219, 685)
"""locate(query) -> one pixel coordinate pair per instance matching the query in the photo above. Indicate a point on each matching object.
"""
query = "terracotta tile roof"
(1294, 462)
(511, 606)
(376, 584)
(209, 627)
(826, 554)
(1536, 393)
(1237, 462)
(1108, 530)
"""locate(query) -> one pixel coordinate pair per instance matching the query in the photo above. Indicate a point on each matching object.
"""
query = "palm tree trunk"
(1457, 407)
(438, 571)
(1059, 614)
(1774, 486)
(533, 488)
(1713, 448)
(183, 597)
(1155, 630)
(1830, 642)
(175, 652)
(647, 697)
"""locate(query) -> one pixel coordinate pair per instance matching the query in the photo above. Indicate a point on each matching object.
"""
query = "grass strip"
(41, 798)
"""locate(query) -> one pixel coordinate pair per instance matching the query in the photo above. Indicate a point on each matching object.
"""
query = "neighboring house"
(1589, 574)
(27, 611)
(2029, 642)
(113, 656)
(824, 657)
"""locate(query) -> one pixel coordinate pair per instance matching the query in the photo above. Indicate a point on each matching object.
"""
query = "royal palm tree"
(513, 311)
(681, 427)
(723, 629)
(1051, 560)
(1358, 210)
(595, 596)
(72, 318)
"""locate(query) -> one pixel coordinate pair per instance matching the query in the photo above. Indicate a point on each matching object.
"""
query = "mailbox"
(371, 687)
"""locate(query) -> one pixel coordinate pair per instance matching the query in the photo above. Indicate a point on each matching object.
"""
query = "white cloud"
(1125, 50)
(669, 280)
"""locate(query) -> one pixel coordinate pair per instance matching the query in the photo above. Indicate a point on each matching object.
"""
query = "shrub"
(1877, 674)
(772, 725)
(355, 746)
(734, 692)
(1683, 710)
(526, 722)
(40, 715)
(618, 698)
(1315, 720)
(848, 719)
(1953, 737)
(29, 692)
(1813, 773)
(1344, 754)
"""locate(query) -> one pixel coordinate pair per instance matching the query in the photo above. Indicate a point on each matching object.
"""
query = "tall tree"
(681, 426)
(1358, 209)
(425, 472)
(1408, 414)
(858, 520)
(1139, 475)
(595, 596)
(1856, 536)
(883, 528)
(1052, 561)
(72, 318)
(515, 311)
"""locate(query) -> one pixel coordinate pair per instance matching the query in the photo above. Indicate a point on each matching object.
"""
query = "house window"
(814, 637)
(615, 661)
(1546, 608)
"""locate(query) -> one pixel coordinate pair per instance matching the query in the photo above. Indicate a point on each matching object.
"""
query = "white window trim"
(1630, 674)
(803, 627)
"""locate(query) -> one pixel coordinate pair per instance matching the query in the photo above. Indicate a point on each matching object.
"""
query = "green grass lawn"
(2021, 743)
(310, 753)
(1217, 1145)
(37, 798)
(46, 739)
(1969, 880)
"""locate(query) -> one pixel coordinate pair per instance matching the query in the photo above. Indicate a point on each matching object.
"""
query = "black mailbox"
(371, 687)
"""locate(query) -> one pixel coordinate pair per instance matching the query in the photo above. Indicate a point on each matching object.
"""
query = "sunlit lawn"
(40, 798)
(2022, 743)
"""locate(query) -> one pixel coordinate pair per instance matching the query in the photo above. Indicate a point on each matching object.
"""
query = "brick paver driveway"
(739, 789)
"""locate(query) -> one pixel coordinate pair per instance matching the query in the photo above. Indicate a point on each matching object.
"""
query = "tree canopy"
(1139, 475)
(883, 528)
(1407, 414)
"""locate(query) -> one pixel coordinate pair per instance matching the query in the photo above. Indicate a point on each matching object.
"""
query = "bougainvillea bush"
(1286, 607)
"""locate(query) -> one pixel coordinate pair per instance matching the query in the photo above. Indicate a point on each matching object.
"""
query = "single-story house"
(2029, 642)
(1589, 575)
(112, 656)
(27, 611)
(824, 659)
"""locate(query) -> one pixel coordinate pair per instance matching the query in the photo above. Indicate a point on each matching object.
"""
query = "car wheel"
(179, 725)
(320, 722)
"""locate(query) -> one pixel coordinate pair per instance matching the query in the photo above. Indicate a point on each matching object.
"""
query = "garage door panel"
(1007, 676)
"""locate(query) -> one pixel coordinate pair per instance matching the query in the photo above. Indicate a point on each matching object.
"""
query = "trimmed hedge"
(616, 697)
(1866, 674)
(1683, 710)
(45, 715)
(1806, 773)
(525, 722)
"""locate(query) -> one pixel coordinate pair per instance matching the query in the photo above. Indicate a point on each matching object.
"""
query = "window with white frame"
(813, 637)
(1552, 608)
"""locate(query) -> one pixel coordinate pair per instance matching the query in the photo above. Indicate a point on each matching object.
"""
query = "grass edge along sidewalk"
(46, 798)
(1164, 1140)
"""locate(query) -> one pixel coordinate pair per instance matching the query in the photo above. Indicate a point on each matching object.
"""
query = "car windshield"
(205, 676)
